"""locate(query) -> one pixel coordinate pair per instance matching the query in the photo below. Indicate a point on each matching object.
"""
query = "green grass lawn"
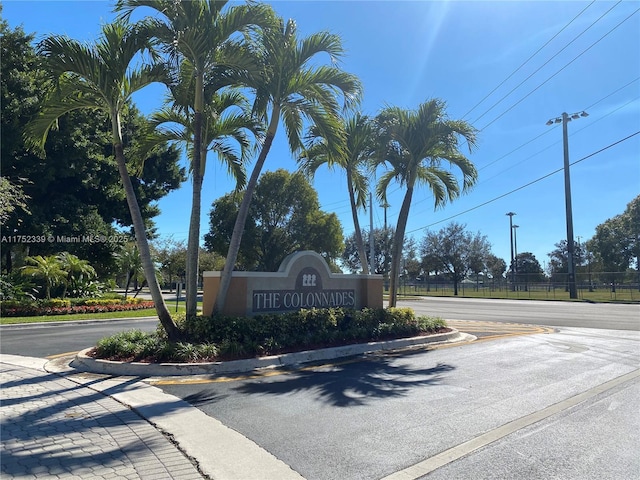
(405, 293)
(600, 295)
(147, 312)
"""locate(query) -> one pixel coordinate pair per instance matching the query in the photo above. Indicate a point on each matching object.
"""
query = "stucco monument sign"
(302, 281)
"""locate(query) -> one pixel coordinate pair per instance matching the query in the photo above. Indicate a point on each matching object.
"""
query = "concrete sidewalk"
(56, 423)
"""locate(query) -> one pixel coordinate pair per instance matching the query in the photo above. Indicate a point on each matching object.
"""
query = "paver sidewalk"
(52, 427)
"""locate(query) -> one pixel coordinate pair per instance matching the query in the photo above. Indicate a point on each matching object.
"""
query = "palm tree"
(100, 77)
(130, 263)
(354, 157)
(295, 89)
(78, 271)
(227, 121)
(413, 145)
(200, 34)
(48, 269)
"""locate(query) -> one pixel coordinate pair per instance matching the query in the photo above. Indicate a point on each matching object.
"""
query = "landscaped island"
(218, 338)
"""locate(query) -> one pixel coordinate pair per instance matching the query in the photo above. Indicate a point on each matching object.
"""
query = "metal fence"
(601, 286)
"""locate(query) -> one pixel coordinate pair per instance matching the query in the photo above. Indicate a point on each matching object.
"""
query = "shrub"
(132, 344)
(54, 302)
(12, 308)
(226, 337)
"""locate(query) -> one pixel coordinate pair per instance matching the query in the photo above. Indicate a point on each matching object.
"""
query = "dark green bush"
(274, 333)
(224, 337)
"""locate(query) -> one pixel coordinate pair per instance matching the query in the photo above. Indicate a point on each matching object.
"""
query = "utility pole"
(372, 254)
(515, 245)
(385, 205)
(566, 118)
(513, 278)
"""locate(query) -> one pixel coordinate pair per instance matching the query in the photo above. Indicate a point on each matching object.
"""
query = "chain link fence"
(597, 287)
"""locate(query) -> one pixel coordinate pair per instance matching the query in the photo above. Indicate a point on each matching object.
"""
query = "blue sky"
(506, 67)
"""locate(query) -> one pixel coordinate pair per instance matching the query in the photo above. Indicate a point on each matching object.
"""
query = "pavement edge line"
(427, 466)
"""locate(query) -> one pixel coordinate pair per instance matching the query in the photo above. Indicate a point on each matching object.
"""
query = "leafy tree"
(353, 155)
(612, 248)
(382, 240)
(222, 218)
(413, 145)
(631, 224)
(284, 218)
(496, 267)
(528, 269)
(21, 87)
(100, 77)
(171, 256)
(209, 261)
(47, 269)
(200, 35)
(559, 261)
(616, 242)
(75, 188)
(294, 87)
(412, 266)
(12, 197)
(457, 251)
(23, 83)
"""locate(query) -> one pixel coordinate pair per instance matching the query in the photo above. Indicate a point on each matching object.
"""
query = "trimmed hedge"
(57, 306)
(225, 338)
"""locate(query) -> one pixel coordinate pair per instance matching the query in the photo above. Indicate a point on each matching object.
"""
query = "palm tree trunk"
(141, 239)
(193, 243)
(398, 242)
(362, 253)
(243, 212)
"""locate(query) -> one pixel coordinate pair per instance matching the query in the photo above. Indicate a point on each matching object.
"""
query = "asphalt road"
(557, 405)
(45, 339)
(553, 405)
(611, 316)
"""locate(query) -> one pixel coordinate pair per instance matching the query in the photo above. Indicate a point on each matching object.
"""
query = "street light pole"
(515, 249)
(566, 118)
(515, 245)
(513, 278)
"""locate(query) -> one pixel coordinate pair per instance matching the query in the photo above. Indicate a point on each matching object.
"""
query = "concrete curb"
(85, 363)
(74, 322)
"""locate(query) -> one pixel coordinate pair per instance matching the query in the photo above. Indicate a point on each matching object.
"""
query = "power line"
(528, 184)
(612, 93)
(557, 72)
(527, 61)
(547, 131)
(560, 141)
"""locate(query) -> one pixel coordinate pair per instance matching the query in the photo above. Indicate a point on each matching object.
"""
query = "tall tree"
(294, 88)
(200, 36)
(382, 241)
(457, 251)
(559, 261)
(529, 269)
(285, 217)
(631, 220)
(413, 145)
(354, 157)
(101, 77)
(495, 266)
(12, 197)
(75, 189)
